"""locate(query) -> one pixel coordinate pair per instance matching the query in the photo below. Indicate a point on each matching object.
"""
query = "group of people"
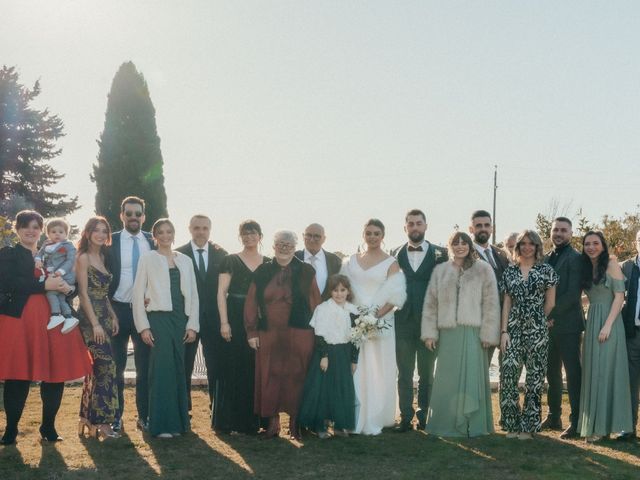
(276, 333)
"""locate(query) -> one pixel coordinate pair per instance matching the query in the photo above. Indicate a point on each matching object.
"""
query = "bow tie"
(415, 249)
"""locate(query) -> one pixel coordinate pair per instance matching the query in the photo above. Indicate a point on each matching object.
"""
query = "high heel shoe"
(50, 435)
(85, 424)
(9, 437)
(104, 432)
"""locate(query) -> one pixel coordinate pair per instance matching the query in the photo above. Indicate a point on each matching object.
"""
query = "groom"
(417, 259)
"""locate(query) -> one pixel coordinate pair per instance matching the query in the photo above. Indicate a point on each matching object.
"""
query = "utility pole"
(495, 189)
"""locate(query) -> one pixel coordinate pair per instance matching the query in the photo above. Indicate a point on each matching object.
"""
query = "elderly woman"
(279, 306)
(462, 314)
(166, 314)
(28, 351)
(529, 286)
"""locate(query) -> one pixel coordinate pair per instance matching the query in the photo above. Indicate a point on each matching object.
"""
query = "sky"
(335, 111)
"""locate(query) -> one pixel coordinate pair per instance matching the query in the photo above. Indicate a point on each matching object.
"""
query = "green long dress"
(460, 403)
(168, 403)
(605, 403)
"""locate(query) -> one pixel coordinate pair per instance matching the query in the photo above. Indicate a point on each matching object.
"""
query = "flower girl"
(329, 394)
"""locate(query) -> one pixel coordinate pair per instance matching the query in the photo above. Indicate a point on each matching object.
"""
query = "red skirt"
(28, 351)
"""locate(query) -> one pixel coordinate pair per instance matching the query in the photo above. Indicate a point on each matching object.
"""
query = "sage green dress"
(168, 402)
(605, 403)
(460, 403)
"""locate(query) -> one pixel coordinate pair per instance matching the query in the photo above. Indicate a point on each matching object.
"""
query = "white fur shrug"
(469, 299)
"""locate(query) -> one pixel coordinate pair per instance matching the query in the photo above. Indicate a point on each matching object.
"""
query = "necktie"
(201, 268)
(487, 253)
(135, 256)
(415, 249)
(312, 260)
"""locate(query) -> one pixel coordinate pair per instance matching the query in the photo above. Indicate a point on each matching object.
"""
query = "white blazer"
(153, 283)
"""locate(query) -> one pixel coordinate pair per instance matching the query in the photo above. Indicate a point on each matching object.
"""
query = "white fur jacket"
(470, 298)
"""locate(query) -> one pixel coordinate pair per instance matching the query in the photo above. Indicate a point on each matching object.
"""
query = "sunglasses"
(129, 214)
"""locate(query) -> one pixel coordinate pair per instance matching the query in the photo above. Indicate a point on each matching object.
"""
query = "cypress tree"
(130, 160)
(27, 145)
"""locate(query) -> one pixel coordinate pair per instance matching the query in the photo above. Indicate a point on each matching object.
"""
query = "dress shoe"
(9, 437)
(403, 427)
(525, 436)
(294, 430)
(571, 432)
(627, 437)
(50, 435)
(116, 426)
(551, 423)
(273, 430)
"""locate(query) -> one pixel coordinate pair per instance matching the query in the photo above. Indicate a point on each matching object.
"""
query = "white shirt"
(321, 267)
(205, 254)
(416, 258)
(638, 299)
(125, 287)
(486, 253)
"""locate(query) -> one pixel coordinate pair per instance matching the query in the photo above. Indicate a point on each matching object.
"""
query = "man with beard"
(127, 246)
(481, 229)
(325, 263)
(566, 323)
(417, 259)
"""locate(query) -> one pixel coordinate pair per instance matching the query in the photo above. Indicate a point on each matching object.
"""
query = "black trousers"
(210, 339)
(15, 396)
(633, 354)
(409, 350)
(141, 352)
(564, 349)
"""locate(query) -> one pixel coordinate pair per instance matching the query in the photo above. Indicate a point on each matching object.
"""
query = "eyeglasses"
(129, 214)
(312, 236)
(284, 246)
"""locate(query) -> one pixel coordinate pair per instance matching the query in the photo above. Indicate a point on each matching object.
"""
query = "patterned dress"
(529, 335)
(100, 392)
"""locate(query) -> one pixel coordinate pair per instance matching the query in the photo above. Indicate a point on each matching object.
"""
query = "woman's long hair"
(89, 228)
(471, 256)
(588, 277)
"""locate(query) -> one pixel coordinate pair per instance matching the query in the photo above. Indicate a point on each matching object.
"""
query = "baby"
(57, 256)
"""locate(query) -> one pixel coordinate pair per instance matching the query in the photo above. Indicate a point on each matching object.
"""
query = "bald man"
(325, 263)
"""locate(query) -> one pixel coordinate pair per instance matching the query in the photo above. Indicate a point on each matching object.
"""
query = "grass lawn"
(203, 455)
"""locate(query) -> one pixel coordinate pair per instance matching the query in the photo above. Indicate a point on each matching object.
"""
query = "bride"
(376, 281)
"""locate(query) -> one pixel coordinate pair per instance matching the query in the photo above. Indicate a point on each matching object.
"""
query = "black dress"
(234, 400)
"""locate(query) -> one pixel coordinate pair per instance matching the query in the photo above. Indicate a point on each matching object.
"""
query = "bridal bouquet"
(366, 326)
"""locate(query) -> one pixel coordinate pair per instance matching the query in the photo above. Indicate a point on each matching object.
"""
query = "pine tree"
(129, 160)
(27, 145)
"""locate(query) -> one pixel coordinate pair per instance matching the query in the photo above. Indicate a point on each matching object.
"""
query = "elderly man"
(325, 263)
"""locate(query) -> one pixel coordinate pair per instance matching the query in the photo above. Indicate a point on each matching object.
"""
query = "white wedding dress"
(376, 374)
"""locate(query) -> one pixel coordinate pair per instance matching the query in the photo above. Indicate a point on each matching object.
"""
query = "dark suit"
(501, 263)
(565, 334)
(127, 329)
(209, 318)
(408, 322)
(334, 264)
(632, 297)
